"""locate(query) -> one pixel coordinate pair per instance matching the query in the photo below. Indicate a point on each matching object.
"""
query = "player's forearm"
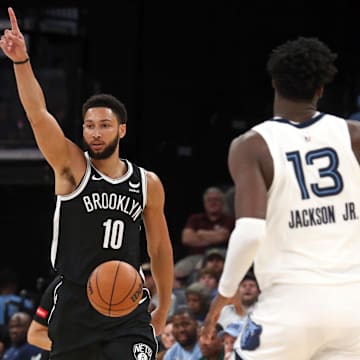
(38, 335)
(244, 242)
(29, 90)
(162, 268)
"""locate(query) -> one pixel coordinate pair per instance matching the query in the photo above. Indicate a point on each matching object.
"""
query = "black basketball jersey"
(99, 221)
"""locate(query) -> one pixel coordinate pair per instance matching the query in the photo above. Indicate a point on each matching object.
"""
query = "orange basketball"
(114, 288)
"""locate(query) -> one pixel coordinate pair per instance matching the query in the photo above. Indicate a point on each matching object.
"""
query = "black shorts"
(80, 332)
(120, 349)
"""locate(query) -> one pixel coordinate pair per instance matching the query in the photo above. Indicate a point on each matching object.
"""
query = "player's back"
(313, 204)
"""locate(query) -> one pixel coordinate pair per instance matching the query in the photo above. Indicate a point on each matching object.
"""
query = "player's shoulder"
(250, 140)
(354, 126)
(354, 131)
(151, 176)
(153, 182)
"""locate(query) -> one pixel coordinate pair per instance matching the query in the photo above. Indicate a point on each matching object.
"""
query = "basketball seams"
(132, 286)
(98, 286)
(113, 286)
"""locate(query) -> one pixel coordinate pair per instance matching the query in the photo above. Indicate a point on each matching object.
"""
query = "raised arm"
(48, 134)
(159, 249)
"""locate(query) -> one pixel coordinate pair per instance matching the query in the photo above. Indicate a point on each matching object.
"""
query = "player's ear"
(122, 130)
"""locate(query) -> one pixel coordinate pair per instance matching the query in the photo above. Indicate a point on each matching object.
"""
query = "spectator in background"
(228, 337)
(242, 302)
(209, 228)
(213, 349)
(187, 269)
(210, 278)
(10, 302)
(166, 339)
(214, 258)
(20, 349)
(198, 298)
(185, 330)
(10, 299)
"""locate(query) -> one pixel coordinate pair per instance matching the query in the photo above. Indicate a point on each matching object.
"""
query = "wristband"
(21, 62)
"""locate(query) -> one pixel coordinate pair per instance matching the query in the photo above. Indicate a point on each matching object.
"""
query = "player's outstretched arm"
(49, 136)
(159, 249)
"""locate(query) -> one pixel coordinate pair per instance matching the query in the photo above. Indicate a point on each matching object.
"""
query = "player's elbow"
(31, 338)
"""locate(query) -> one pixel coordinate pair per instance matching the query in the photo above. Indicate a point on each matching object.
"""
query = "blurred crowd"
(205, 236)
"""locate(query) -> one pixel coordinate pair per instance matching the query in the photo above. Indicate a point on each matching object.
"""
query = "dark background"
(192, 75)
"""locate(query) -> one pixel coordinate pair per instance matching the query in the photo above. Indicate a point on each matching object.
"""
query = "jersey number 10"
(114, 233)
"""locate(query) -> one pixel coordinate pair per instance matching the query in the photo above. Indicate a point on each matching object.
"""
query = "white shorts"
(303, 322)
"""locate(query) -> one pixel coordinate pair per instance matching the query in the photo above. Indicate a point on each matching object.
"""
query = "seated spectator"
(187, 269)
(214, 258)
(242, 302)
(249, 291)
(185, 331)
(228, 337)
(20, 349)
(209, 228)
(166, 339)
(210, 278)
(198, 299)
(10, 302)
(211, 349)
(10, 299)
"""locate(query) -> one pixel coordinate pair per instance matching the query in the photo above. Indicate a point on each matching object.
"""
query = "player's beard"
(104, 154)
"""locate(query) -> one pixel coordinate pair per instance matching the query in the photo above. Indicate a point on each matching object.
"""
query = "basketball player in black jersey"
(101, 202)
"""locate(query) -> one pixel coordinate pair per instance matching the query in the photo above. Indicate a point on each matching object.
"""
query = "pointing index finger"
(13, 21)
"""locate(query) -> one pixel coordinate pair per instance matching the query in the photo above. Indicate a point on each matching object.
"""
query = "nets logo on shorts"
(142, 351)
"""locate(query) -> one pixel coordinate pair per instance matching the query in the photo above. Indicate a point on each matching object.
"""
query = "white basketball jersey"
(312, 220)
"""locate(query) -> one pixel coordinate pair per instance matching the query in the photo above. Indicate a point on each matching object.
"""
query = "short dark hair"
(299, 67)
(108, 101)
(183, 310)
(250, 275)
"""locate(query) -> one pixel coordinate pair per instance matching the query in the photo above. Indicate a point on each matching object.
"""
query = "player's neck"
(297, 111)
(112, 167)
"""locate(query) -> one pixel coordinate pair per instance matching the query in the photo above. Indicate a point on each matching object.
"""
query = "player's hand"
(209, 326)
(12, 42)
(158, 321)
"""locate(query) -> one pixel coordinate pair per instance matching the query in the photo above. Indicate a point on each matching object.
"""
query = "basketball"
(114, 288)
